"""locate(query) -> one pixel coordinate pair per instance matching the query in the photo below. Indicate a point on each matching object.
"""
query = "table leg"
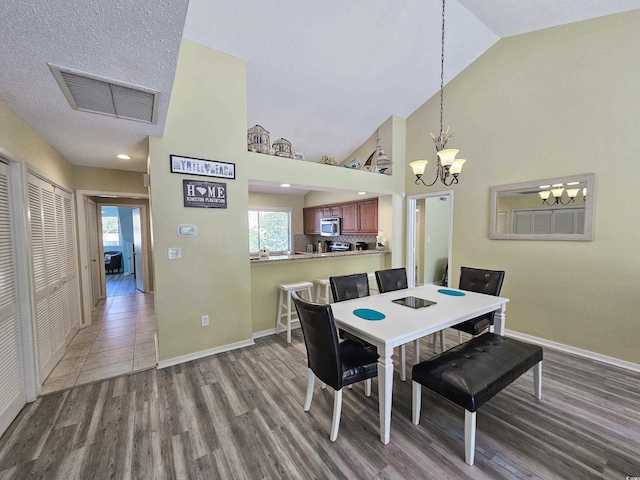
(499, 319)
(385, 391)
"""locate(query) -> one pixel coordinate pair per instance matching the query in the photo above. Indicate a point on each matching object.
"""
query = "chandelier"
(448, 167)
(554, 194)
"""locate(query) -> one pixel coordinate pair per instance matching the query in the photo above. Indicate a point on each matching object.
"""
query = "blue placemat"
(453, 293)
(368, 314)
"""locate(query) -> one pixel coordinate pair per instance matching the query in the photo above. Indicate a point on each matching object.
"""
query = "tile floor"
(118, 341)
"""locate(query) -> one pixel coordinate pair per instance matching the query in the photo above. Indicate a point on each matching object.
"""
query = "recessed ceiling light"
(573, 183)
(545, 186)
(123, 156)
(285, 185)
(108, 196)
(362, 193)
(556, 185)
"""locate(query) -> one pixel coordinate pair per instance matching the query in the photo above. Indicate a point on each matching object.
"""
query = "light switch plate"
(175, 253)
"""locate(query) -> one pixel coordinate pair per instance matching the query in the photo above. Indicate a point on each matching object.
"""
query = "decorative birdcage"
(282, 148)
(258, 140)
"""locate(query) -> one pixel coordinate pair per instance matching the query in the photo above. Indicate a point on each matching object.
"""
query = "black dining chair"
(347, 287)
(337, 364)
(391, 279)
(484, 281)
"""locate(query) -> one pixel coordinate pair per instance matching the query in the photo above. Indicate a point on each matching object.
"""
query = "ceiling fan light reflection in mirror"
(447, 167)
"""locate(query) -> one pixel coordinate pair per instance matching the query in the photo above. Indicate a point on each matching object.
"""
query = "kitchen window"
(270, 227)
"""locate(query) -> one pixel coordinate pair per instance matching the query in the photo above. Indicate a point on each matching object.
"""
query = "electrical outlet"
(205, 320)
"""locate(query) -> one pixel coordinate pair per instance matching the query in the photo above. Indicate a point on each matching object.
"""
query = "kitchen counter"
(315, 256)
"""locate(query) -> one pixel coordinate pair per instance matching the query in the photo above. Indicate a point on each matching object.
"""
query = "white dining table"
(403, 324)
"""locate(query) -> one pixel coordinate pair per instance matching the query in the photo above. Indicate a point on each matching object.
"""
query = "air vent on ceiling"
(89, 93)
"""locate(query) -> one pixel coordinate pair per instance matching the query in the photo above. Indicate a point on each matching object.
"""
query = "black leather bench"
(472, 373)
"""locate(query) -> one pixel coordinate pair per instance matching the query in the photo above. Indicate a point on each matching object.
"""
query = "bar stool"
(285, 304)
(322, 291)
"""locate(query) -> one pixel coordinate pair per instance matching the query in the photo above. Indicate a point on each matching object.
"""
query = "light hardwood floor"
(240, 415)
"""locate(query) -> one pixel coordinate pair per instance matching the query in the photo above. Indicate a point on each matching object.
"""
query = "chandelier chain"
(442, 73)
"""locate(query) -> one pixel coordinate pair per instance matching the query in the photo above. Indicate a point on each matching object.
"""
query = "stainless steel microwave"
(330, 227)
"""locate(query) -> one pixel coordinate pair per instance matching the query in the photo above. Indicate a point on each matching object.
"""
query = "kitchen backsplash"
(301, 241)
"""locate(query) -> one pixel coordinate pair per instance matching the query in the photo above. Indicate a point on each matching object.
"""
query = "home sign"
(204, 194)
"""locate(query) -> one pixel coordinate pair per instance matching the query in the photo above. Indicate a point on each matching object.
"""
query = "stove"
(338, 246)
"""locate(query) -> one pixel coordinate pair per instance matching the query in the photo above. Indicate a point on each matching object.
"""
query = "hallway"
(119, 341)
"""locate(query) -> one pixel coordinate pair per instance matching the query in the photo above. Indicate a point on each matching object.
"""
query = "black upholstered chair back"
(391, 280)
(478, 280)
(321, 340)
(347, 287)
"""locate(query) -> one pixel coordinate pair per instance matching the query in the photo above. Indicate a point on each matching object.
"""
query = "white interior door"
(12, 391)
(94, 252)
(138, 253)
(55, 274)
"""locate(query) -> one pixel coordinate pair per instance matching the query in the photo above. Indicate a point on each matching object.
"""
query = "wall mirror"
(551, 209)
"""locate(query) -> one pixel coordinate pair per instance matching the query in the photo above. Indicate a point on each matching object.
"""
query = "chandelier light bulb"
(418, 166)
(447, 156)
(456, 166)
(544, 195)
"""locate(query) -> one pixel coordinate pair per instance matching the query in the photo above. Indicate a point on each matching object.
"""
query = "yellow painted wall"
(552, 103)
(207, 119)
(24, 142)
(265, 279)
(108, 180)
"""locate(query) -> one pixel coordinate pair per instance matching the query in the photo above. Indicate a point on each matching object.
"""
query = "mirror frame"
(587, 236)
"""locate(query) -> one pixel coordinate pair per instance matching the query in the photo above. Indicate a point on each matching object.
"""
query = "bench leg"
(367, 387)
(307, 403)
(469, 436)
(417, 398)
(537, 379)
(337, 409)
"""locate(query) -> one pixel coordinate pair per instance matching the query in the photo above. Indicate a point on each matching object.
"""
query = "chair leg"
(537, 379)
(323, 386)
(459, 336)
(416, 401)
(307, 403)
(403, 363)
(469, 436)
(337, 409)
(443, 341)
(288, 317)
(350, 387)
(367, 387)
(279, 311)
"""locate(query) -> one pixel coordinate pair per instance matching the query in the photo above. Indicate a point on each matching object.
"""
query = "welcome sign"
(204, 194)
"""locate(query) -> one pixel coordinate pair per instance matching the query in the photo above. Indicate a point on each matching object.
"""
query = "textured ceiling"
(323, 75)
(134, 42)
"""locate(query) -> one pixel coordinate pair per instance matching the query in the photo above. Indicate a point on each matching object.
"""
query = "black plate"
(414, 302)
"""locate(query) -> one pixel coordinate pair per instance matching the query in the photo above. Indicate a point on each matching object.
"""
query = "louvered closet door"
(55, 272)
(12, 392)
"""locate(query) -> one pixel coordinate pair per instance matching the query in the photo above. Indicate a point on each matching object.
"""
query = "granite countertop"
(314, 256)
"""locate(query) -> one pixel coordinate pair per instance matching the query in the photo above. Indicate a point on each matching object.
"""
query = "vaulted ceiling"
(323, 75)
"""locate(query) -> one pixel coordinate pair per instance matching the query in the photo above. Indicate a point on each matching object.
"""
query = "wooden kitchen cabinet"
(350, 222)
(311, 217)
(368, 216)
(357, 217)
